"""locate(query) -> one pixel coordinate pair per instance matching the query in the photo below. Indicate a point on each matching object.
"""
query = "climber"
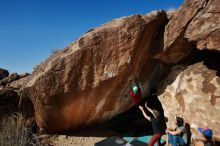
(135, 92)
(206, 137)
(157, 125)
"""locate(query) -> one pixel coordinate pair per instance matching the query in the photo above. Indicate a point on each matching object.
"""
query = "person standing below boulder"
(206, 137)
(157, 125)
(177, 135)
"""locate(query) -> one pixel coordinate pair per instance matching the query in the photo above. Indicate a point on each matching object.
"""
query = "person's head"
(135, 89)
(156, 113)
(179, 121)
(207, 132)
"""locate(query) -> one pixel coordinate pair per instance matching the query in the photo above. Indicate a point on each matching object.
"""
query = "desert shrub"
(13, 132)
(57, 50)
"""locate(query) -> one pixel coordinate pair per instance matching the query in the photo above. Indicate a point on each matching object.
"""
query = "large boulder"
(195, 95)
(9, 101)
(88, 82)
(196, 24)
(3, 73)
(10, 86)
(12, 77)
(204, 28)
(177, 26)
(19, 84)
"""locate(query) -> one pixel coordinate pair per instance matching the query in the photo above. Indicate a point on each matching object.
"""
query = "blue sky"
(31, 29)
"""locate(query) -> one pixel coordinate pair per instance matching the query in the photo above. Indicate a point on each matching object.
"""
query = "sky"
(31, 29)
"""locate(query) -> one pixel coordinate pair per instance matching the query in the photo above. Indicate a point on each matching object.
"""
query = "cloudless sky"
(31, 29)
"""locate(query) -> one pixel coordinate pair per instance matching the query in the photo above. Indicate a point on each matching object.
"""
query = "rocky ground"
(132, 120)
(66, 140)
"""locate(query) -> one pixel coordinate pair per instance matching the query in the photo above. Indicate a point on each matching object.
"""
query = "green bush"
(13, 132)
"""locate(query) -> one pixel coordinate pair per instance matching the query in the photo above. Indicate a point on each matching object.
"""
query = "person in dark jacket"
(157, 125)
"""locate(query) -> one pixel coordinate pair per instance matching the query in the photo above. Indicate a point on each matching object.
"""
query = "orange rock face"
(204, 29)
(195, 95)
(177, 26)
(88, 82)
(194, 25)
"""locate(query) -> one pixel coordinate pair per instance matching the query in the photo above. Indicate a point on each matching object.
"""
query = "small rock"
(3, 73)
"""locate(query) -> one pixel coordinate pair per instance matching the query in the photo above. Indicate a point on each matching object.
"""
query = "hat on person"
(206, 131)
(135, 89)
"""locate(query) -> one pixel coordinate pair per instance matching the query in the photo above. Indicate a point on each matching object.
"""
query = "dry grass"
(57, 50)
(13, 132)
